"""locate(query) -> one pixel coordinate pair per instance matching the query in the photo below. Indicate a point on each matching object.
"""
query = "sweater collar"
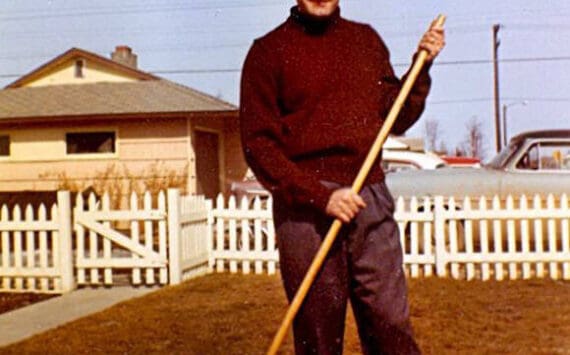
(314, 25)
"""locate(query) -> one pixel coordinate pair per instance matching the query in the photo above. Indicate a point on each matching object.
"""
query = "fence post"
(210, 233)
(439, 235)
(65, 235)
(174, 266)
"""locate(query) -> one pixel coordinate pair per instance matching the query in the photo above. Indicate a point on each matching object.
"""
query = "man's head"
(318, 8)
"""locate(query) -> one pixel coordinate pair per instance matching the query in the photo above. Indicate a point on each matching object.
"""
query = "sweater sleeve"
(391, 86)
(261, 130)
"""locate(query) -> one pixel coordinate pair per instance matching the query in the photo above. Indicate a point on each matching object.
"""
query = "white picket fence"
(243, 236)
(487, 239)
(153, 242)
(444, 237)
(190, 236)
(172, 238)
(35, 249)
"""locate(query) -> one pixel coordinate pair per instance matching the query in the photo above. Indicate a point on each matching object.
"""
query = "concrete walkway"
(39, 317)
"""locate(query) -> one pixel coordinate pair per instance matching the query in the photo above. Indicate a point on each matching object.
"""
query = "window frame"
(9, 137)
(79, 68)
(92, 155)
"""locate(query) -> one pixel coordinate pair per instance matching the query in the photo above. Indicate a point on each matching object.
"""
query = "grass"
(12, 301)
(237, 314)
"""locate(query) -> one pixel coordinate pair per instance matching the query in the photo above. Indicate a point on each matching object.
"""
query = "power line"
(137, 10)
(506, 60)
(195, 71)
(236, 70)
(460, 101)
(487, 99)
(456, 62)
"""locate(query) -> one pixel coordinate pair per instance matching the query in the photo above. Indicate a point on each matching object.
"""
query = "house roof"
(107, 99)
(80, 53)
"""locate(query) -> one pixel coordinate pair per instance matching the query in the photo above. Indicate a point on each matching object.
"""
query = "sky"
(202, 44)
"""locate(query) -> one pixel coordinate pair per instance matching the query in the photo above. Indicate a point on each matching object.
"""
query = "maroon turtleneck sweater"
(314, 94)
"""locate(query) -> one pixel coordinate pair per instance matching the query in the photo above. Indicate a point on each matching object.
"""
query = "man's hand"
(344, 204)
(433, 41)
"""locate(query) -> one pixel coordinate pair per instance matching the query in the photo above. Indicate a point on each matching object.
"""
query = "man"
(314, 94)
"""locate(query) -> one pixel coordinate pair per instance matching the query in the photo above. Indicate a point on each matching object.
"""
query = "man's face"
(318, 8)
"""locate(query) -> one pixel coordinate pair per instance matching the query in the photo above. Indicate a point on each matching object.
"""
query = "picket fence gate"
(163, 241)
(110, 241)
(156, 241)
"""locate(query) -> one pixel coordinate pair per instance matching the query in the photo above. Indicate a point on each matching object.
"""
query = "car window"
(546, 156)
(501, 159)
(529, 160)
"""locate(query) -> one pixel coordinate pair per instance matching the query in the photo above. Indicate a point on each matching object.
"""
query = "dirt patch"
(236, 314)
(12, 301)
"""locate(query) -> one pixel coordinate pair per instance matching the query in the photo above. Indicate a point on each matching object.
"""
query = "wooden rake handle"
(356, 187)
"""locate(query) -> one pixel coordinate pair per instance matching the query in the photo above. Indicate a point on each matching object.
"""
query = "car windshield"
(501, 159)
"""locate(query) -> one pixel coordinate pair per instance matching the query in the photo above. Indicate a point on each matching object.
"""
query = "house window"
(79, 64)
(90, 142)
(4, 145)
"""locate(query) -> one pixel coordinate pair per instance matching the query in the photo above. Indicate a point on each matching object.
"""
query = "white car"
(536, 162)
(397, 160)
(396, 156)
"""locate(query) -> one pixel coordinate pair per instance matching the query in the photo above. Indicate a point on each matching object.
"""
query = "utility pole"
(505, 125)
(496, 43)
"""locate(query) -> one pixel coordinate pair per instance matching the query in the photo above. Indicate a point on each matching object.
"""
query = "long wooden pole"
(356, 187)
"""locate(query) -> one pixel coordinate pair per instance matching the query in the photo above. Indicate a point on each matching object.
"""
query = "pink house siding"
(145, 148)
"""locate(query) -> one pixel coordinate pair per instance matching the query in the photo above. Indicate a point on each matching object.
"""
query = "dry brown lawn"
(12, 301)
(236, 314)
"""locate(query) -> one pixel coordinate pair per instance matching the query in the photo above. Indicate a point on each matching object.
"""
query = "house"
(82, 120)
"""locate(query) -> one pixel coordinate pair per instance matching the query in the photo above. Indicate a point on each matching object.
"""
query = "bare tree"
(442, 148)
(473, 143)
(431, 132)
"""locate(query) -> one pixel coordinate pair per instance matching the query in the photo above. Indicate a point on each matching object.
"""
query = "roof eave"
(120, 116)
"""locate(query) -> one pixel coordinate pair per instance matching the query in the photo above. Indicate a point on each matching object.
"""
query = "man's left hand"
(433, 41)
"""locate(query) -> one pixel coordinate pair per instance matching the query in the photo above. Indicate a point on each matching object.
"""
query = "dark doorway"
(207, 148)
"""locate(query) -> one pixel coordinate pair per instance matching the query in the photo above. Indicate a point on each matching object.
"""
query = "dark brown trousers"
(363, 266)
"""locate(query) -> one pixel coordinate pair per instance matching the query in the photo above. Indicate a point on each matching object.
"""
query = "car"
(250, 187)
(534, 162)
(461, 161)
(394, 160)
(396, 156)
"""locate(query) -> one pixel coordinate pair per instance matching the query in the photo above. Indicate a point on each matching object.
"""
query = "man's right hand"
(344, 204)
